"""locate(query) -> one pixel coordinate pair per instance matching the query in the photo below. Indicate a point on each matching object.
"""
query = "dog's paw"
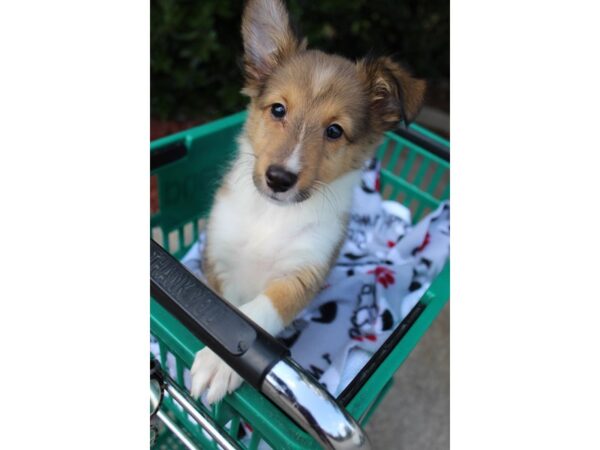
(211, 374)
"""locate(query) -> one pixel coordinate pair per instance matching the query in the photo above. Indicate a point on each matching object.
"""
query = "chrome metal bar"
(313, 408)
(205, 421)
(164, 418)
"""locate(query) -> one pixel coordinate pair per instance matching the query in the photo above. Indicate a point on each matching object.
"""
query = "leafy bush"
(196, 46)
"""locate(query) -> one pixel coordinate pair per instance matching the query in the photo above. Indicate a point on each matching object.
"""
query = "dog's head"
(312, 116)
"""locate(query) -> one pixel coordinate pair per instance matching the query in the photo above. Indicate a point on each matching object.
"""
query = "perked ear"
(395, 94)
(268, 40)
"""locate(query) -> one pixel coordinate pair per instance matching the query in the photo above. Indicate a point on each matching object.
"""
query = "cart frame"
(185, 168)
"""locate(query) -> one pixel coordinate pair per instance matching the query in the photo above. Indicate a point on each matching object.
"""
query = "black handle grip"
(243, 345)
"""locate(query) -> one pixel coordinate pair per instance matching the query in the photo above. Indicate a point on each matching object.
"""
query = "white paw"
(211, 374)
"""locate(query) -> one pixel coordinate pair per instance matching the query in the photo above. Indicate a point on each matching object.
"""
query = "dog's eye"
(278, 110)
(334, 131)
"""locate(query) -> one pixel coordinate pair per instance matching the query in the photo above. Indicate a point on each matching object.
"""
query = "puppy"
(280, 215)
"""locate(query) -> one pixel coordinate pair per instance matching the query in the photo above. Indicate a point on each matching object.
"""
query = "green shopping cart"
(283, 405)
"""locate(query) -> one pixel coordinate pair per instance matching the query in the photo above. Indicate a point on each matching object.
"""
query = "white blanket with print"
(384, 267)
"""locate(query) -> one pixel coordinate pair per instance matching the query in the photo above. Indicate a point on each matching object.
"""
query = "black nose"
(279, 179)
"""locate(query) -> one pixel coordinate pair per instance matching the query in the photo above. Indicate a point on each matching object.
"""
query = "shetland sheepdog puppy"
(280, 215)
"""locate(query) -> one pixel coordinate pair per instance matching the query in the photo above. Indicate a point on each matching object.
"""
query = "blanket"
(384, 267)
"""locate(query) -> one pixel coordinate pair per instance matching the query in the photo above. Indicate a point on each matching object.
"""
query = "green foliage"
(196, 45)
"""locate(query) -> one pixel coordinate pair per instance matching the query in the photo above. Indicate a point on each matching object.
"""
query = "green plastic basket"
(182, 196)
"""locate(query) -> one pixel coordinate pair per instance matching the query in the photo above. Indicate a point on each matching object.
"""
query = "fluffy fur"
(269, 252)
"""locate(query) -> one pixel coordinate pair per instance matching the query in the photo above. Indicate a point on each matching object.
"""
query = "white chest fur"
(253, 240)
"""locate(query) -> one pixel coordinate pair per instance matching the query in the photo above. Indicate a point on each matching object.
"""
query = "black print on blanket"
(359, 237)
(385, 265)
(370, 181)
(326, 313)
(291, 334)
(365, 313)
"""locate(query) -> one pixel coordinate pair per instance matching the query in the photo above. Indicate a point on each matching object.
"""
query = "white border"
(74, 181)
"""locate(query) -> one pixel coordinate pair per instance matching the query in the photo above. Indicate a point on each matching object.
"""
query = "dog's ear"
(394, 93)
(268, 40)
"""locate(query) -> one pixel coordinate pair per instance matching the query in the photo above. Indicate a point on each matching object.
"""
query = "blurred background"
(196, 51)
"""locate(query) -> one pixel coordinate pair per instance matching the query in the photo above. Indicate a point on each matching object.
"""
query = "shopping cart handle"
(253, 353)
(243, 345)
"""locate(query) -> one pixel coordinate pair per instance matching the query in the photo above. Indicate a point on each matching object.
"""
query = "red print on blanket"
(383, 275)
(424, 244)
(368, 337)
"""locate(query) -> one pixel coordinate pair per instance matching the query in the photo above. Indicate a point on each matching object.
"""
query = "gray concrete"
(415, 415)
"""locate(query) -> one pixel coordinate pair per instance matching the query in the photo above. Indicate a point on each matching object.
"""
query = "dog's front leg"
(272, 310)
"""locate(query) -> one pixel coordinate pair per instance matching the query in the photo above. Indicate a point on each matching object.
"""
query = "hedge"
(196, 46)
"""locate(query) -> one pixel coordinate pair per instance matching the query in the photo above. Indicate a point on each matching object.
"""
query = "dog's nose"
(279, 179)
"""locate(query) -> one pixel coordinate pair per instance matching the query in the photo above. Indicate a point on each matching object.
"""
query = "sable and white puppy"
(279, 217)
